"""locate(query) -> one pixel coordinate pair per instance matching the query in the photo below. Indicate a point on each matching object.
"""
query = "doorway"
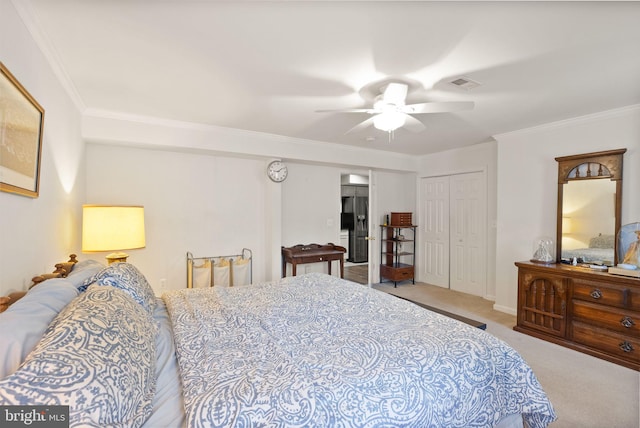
(354, 225)
(454, 232)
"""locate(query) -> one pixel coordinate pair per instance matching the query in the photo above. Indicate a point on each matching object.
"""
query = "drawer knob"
(596, 294)
(626, 346)
(627, 322)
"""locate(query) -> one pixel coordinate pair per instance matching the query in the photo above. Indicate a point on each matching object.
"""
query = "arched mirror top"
(589, 212)
(596, 165)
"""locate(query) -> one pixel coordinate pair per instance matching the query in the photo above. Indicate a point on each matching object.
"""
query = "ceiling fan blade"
(438, 107)
(395, 93)
(412, 124)
(362, 125)
(347, 110)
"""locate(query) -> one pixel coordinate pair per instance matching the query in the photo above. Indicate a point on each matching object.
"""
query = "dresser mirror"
(589, 207)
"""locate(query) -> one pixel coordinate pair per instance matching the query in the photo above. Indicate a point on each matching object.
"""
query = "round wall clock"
(277, 171)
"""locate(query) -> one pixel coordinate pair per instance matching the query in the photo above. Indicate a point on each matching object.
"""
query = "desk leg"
(329, 264)
(284, 267)
(342, 267)
(293, 269)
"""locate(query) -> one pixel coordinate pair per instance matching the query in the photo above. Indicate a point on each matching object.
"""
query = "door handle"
(370, 238)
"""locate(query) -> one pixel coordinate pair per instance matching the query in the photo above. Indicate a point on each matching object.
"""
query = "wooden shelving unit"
(397, 253)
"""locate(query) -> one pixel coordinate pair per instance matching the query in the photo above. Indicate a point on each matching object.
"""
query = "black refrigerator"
(354, 219)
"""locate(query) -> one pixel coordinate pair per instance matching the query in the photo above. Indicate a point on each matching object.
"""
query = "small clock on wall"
(277, 171)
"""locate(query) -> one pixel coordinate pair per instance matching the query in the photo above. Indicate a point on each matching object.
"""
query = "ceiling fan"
(389, 111)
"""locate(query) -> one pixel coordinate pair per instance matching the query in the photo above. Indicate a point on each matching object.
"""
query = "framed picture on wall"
(21, 125)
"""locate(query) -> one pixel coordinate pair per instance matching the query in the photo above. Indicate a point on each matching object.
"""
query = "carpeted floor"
(585, 391)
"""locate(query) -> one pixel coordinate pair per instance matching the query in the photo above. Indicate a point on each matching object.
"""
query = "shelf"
(393, 249)
(397, 265)
(399, 254)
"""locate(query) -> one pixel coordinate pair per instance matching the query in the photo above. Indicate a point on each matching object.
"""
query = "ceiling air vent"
(465, 83)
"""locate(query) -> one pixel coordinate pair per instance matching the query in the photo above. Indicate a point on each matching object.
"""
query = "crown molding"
(569, 122)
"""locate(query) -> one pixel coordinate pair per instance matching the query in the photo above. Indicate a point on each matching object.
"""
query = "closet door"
(468, 233)
(434, 228)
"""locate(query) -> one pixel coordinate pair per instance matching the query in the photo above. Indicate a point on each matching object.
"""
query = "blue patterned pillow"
(98, 357)
(127, 277)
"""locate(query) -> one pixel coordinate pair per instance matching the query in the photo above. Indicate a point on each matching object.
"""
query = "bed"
(311, 350)
(600, 250)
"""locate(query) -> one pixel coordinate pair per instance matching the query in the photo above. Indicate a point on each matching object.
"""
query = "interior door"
(373, 256)
(434, 224)
(468, 230)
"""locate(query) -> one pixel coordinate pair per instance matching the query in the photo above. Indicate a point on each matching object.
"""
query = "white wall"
(216, 205)
(205, 204)
(480, 157)
(35, 234)
(395, 192)
(114, 128)
(527, 183)
(311, 210)
(311, 205)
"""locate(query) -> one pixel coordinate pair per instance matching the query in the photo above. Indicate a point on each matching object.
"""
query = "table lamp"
(112, 228)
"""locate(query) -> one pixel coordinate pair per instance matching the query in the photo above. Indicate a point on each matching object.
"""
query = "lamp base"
(117, 257)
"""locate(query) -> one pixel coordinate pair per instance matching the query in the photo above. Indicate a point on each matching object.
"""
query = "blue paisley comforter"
(317, 351)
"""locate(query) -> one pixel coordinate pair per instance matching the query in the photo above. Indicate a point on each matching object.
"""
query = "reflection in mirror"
(589, 207)
(589, 221)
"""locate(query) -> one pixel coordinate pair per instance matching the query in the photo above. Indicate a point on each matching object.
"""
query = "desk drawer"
(311, 259)
(620, 320)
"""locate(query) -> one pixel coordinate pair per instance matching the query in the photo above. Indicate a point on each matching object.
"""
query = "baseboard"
(505, 309)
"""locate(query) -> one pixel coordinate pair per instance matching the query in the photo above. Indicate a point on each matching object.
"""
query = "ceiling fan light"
(389, 121)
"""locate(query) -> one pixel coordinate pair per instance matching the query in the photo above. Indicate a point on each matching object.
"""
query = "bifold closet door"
(433, 230)
(468, 231)
(452, 232)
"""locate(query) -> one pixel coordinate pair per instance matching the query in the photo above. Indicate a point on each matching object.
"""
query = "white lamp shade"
(111, 228)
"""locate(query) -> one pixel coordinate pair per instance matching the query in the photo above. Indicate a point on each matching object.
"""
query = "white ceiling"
(267, 66)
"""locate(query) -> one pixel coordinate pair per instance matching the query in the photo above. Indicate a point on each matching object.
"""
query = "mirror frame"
(612, 160)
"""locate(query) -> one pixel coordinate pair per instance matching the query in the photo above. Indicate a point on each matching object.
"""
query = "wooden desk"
(312, 253)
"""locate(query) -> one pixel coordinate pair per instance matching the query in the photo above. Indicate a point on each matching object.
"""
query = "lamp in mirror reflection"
(112, 228)
(566, 225)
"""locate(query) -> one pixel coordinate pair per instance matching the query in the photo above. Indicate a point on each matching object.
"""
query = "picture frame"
(21, 128)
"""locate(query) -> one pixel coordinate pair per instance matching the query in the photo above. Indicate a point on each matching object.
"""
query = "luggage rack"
(226, 271)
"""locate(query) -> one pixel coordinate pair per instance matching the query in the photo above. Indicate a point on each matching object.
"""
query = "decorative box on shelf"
(401, 219)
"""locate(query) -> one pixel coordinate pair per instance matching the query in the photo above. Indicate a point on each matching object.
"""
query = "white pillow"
(98, 357)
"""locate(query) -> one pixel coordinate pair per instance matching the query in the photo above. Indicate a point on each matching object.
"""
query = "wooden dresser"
(592, 312)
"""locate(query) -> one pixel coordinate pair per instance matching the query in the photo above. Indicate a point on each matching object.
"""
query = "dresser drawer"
(600, 292)
(623, 321)
(607, 341)
(635, 298)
